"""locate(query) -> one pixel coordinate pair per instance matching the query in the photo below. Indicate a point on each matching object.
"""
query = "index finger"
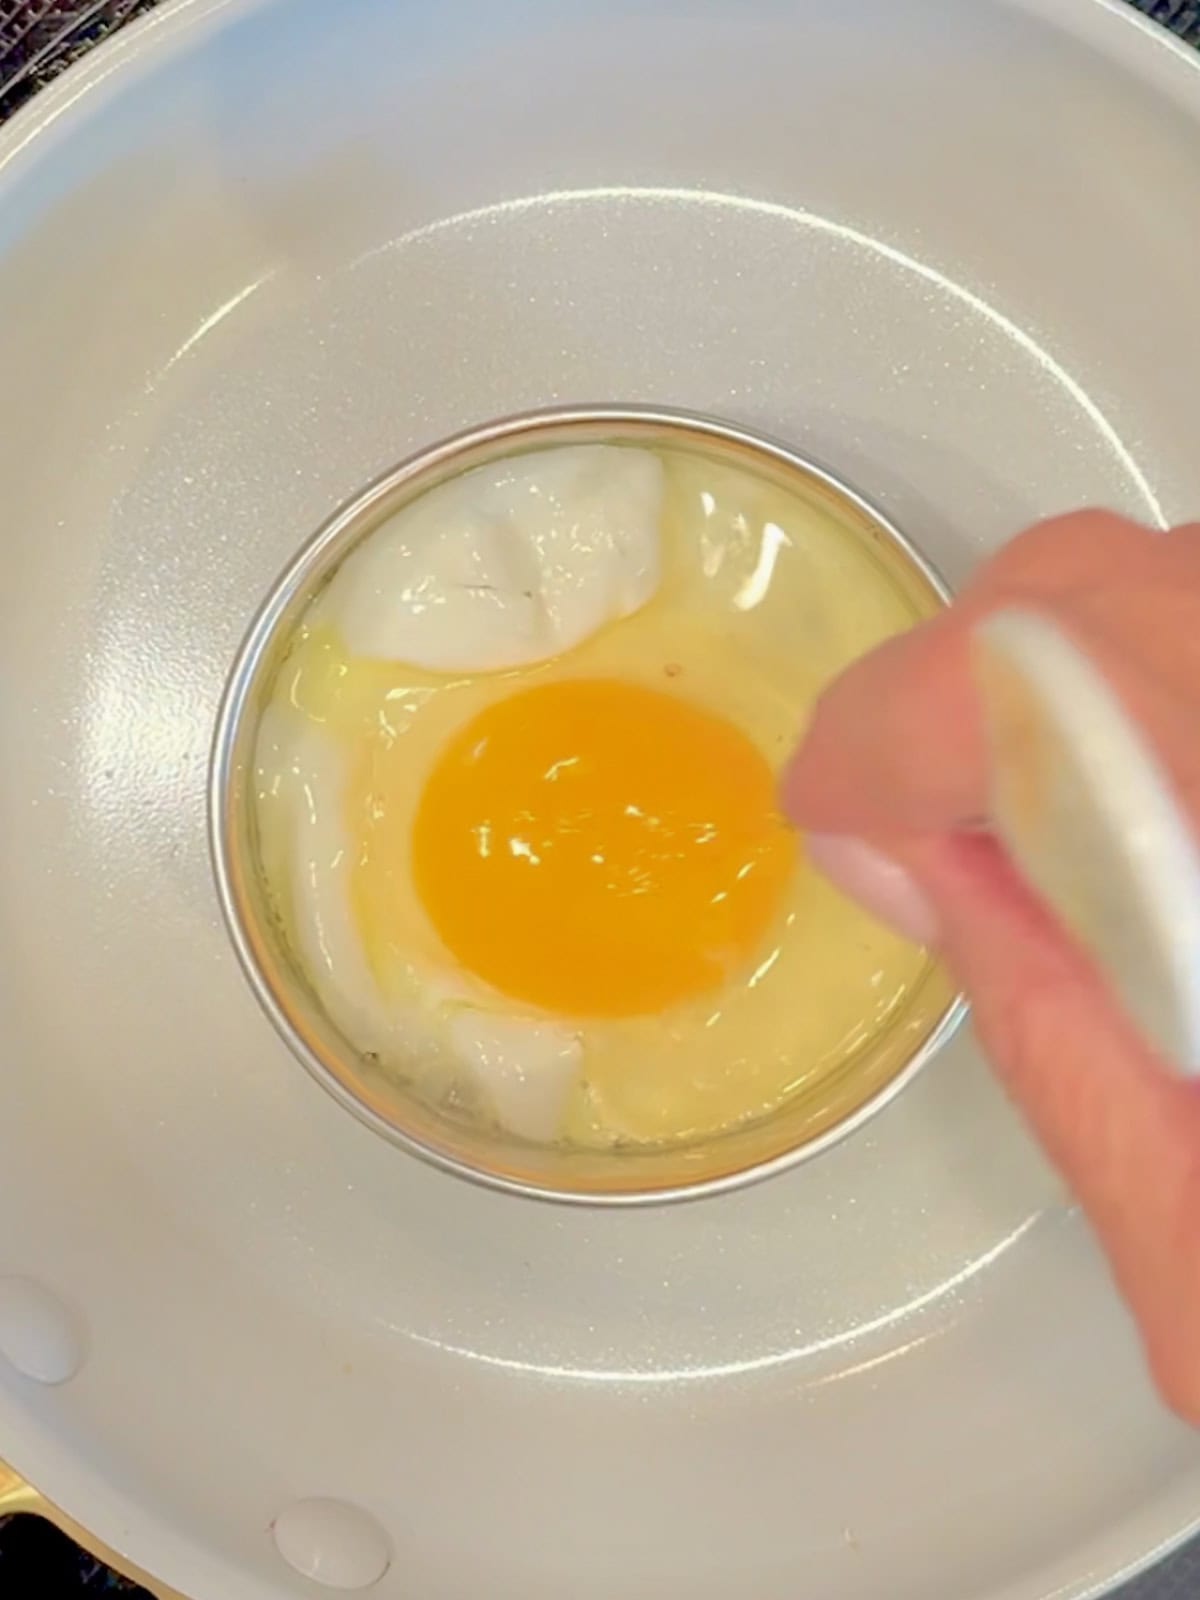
(896, 744)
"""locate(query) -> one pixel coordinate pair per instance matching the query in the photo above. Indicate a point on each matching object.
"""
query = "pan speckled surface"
(37, 41)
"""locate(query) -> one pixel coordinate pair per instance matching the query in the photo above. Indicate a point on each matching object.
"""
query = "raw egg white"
(516, 796)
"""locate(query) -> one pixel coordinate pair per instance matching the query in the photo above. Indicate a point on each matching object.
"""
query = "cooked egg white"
(507, 564)
(605, 936)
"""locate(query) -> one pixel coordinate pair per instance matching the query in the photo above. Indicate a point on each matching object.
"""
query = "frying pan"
(254, 252)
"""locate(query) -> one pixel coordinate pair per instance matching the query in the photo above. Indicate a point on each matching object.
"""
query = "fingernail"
(878, 883)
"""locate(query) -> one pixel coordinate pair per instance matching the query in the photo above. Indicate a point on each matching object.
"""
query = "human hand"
(908, 783)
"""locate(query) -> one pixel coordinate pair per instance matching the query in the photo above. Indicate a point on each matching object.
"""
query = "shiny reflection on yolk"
(596, 848)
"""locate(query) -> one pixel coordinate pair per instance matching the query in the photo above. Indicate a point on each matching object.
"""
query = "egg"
(528, 851)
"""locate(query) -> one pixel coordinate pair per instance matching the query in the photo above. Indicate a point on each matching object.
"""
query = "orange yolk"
(596, 848)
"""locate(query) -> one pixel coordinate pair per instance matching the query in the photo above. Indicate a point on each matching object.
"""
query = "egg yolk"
(600, 848)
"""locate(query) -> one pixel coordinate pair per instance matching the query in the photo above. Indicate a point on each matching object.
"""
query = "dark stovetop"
(39, 1563)
(36, 1561)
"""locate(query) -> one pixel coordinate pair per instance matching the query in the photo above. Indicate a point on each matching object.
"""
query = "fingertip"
(878, 882)
(895, 743)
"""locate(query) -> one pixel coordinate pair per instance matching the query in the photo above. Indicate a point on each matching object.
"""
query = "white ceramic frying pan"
(251, 254)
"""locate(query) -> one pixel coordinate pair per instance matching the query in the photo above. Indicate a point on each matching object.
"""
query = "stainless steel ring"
(280, 987)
